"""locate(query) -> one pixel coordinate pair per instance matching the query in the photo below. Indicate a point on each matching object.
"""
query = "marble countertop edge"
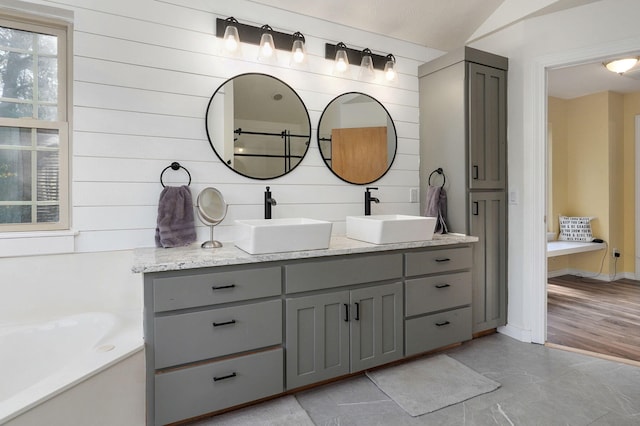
(153, 259)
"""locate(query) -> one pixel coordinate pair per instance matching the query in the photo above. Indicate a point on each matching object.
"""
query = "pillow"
(575, 229)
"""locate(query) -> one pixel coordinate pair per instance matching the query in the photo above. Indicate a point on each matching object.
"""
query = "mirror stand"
(212, 210)
(211, 243)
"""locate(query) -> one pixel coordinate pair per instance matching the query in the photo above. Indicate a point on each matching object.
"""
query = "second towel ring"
(174, 166)
(441, 173)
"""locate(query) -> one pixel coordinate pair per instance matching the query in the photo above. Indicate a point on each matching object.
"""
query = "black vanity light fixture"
(233, 33)
(368, 61)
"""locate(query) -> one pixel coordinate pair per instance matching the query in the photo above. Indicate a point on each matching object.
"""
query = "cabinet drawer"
(205, 388)
(437, 261)
(190, 337)
(343, 271)
(437, 330)
(192, 290)
(437, 293)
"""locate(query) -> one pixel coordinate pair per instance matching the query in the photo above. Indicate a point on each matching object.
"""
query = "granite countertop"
(193, 256)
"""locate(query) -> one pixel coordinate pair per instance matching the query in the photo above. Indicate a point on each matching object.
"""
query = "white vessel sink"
(390, 228)
(261, 236)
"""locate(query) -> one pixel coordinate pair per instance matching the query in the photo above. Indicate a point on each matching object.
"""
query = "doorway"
(587, 314)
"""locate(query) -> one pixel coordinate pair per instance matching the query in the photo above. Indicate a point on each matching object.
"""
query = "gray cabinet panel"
(430, 294)
(437, 330)
(376, 326)
(487, 127)
(317, 338)
(437, 261)
(346, 270)
(200, 335)
(205, 388)
(191, 289)
(490, 257)
(463, 124)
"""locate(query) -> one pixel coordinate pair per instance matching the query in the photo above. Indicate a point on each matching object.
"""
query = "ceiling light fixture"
(621, 65)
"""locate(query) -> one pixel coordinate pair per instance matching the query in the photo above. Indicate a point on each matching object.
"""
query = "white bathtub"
(41, 360)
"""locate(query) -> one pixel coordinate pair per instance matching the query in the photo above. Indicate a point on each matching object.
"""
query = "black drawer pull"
(443, 285)
(444, 259)
(475, 172)
(222, 287)
(440, 324)
(346, 312)
(218, 324)
(475, 210)
(228, 376)
(357, 318)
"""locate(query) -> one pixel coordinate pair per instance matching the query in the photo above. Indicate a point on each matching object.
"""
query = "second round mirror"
(357, 138)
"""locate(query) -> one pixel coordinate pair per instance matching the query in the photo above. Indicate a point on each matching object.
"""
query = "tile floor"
(540, 386)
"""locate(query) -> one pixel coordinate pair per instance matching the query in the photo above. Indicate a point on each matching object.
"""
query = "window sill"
(13, 244)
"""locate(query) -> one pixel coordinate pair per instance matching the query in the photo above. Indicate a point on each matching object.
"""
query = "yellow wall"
(590, 161)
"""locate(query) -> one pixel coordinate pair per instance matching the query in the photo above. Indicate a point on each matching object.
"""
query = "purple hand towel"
(437, 207)
(176, 226)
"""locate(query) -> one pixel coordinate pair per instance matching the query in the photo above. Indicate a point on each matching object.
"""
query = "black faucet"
(268, 202)
(368, 199)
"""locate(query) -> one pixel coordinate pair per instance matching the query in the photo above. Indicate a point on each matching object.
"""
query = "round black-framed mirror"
(258, 126)
(357, 138)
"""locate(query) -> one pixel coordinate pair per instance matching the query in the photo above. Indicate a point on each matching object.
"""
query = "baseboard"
(590, 275)
(516, 333)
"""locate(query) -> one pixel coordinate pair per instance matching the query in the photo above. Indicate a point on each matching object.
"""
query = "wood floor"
(596, 316)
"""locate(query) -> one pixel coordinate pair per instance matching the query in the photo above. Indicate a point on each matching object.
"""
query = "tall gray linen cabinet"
(463, 130)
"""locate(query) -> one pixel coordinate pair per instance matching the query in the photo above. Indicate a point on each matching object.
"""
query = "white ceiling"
(448, 24)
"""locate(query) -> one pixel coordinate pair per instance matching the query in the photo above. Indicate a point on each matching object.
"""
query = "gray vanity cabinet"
(317, 333)
(337, 332)
(487, 126)
(488, 216)
(463, 130)
(221, 336)
(213, 339)
(437, 299)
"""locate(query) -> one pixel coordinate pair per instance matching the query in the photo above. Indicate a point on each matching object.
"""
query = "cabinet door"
(488, 223)
(376, 326)
(487, 127)
(317, 331)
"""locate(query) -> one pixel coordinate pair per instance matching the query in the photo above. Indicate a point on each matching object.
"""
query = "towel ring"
(174, 166)
(440, 172)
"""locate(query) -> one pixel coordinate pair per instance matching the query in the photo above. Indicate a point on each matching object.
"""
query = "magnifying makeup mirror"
(211, 209)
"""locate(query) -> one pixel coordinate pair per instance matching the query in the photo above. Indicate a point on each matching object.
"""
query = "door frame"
(534, 137)
(637, 193)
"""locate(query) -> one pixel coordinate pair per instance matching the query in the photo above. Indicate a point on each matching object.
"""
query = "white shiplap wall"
(144, 71)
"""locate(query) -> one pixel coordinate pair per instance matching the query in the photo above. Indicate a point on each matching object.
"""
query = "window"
(34, 128)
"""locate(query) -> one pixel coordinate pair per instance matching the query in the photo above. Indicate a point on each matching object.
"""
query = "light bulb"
(342, 59)
(367, 72)
(341, 65)
(231, 38)
(267, 46)
(298, 53)
(390, 69)
(230, 44)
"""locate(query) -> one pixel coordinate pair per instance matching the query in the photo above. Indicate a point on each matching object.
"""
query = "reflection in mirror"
(258, 126)
(212, 210)
(357, 138)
